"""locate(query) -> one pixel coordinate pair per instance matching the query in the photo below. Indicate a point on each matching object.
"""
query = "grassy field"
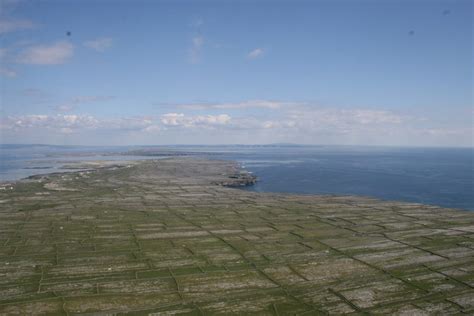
(166, 237)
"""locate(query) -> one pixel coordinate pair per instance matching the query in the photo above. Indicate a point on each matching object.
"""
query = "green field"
(166, 237)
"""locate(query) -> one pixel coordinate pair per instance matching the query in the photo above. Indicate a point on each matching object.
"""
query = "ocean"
(436, 176)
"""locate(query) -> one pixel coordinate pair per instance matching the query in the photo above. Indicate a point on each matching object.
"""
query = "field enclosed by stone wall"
(168, 237)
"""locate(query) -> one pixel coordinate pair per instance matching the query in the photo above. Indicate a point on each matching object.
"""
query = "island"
(175, 237)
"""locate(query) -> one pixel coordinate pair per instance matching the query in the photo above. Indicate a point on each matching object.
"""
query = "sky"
(354, 72)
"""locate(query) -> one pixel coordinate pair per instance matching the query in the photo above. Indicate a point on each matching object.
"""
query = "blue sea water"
(443, 177)
(437, 176)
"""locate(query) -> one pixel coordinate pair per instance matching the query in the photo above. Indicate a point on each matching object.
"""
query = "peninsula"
(173, 237)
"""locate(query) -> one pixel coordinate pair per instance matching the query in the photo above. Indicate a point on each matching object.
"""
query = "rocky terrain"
(170, 237)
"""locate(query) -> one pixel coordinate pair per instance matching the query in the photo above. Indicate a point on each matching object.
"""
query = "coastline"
(244, 179)
(170, 236)
(441, 179)
(237, 177)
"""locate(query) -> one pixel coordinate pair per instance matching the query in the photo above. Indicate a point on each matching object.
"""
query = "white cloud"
(268, 124)
(373, 116)
(288, 118)
(300, 125)
(127, 123)
(12, 25)
(56, 53)
(331, 121)
(71, 119)
(75, 123)
(220, 119)
(50, 122)
(173, 119)
(250, 123)
(256, 53)
(238, 105)
(179, 119)
(278, 124)
(195, 51)
(272, 121)
(152, 129)
(100, 44)
(297, 119)
(294, 116)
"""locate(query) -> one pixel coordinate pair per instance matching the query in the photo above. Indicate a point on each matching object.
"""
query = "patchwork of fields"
(166, 237)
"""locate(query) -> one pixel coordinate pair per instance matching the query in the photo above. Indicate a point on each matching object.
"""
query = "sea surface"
(436, 176)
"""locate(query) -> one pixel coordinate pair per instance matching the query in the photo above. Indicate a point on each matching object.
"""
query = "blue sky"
(219, 72)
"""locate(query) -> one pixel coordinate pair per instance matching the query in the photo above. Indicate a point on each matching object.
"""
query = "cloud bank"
(274, 122)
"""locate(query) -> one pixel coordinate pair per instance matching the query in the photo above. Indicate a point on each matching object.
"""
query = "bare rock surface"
(170, 237)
